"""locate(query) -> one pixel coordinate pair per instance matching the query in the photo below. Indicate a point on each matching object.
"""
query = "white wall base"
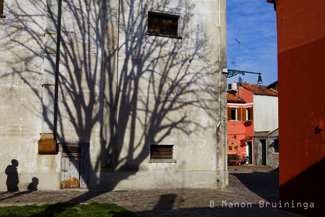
(153, 179)
(46, 181)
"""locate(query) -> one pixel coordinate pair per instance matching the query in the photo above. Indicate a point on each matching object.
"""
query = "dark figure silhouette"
(33, 185)
(12, 176)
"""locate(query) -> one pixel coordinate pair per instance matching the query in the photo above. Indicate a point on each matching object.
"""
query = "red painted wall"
(246, 95)
(301, 76)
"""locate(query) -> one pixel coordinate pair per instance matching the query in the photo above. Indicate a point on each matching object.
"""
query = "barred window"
(161, 154)
(162, 24)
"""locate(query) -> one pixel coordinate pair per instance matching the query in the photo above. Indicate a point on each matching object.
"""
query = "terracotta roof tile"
(273, 84)
(259, 89)
(233, 98)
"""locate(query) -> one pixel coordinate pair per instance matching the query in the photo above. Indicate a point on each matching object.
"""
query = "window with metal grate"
(163, 24)
(161, 152)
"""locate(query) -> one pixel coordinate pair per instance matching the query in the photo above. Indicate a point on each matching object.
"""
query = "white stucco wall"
(265, 113)
(21, 69)
(167, 91)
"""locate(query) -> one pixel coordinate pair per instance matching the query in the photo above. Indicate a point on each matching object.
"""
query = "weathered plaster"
(118, 90)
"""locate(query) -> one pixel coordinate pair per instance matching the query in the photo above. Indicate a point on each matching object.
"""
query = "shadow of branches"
(119, 88)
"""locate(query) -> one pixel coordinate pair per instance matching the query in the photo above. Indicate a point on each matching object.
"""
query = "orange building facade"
(253, 123)
(240, 127)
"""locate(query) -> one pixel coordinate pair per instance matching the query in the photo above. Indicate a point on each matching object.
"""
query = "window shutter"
(71, 150)
(1, 7)
(238, 114)
(161, 152)
(251, 111)
(229, 113)
(244, 114)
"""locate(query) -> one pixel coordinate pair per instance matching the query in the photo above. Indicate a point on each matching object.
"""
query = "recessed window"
(161, 154)
(162, 24)
(249, 114)
(1, 7)
(234, 114)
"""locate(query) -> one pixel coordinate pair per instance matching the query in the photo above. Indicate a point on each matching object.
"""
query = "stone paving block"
(244, 187)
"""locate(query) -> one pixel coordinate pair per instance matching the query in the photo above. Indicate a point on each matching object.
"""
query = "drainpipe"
(220, 66)
(224, 174)
(47, 143)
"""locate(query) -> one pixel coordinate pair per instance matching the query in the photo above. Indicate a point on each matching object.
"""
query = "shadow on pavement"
(307, 188)
(264, 184)
(14, 195)
(166, 202)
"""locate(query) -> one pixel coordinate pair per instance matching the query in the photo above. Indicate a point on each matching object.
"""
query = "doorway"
(263, 146)
(249, 152)
(74, 166)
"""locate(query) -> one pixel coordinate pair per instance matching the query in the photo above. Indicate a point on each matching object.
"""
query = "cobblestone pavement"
(250, 188)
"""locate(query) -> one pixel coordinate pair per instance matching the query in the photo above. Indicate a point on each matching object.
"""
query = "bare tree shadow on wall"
(138, 88)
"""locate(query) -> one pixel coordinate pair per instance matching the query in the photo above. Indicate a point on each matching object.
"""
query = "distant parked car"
(233, 159)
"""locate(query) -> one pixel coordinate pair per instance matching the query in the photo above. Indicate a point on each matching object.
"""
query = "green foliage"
(236, 147)
(67, 210)
(230, 147)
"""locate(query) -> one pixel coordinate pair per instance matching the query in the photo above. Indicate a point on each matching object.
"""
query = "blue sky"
(253, 23)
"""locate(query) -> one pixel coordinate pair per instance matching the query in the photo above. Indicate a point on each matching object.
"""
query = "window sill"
(162, 161)
(276, 153)
(2, 16)
(162, 35)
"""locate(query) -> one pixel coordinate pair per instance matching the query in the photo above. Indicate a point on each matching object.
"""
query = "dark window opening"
(1, 7)
(161, 152)
(263, 149)
(248, 114)
(276, 146)
(163, 24)
(233, 114)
